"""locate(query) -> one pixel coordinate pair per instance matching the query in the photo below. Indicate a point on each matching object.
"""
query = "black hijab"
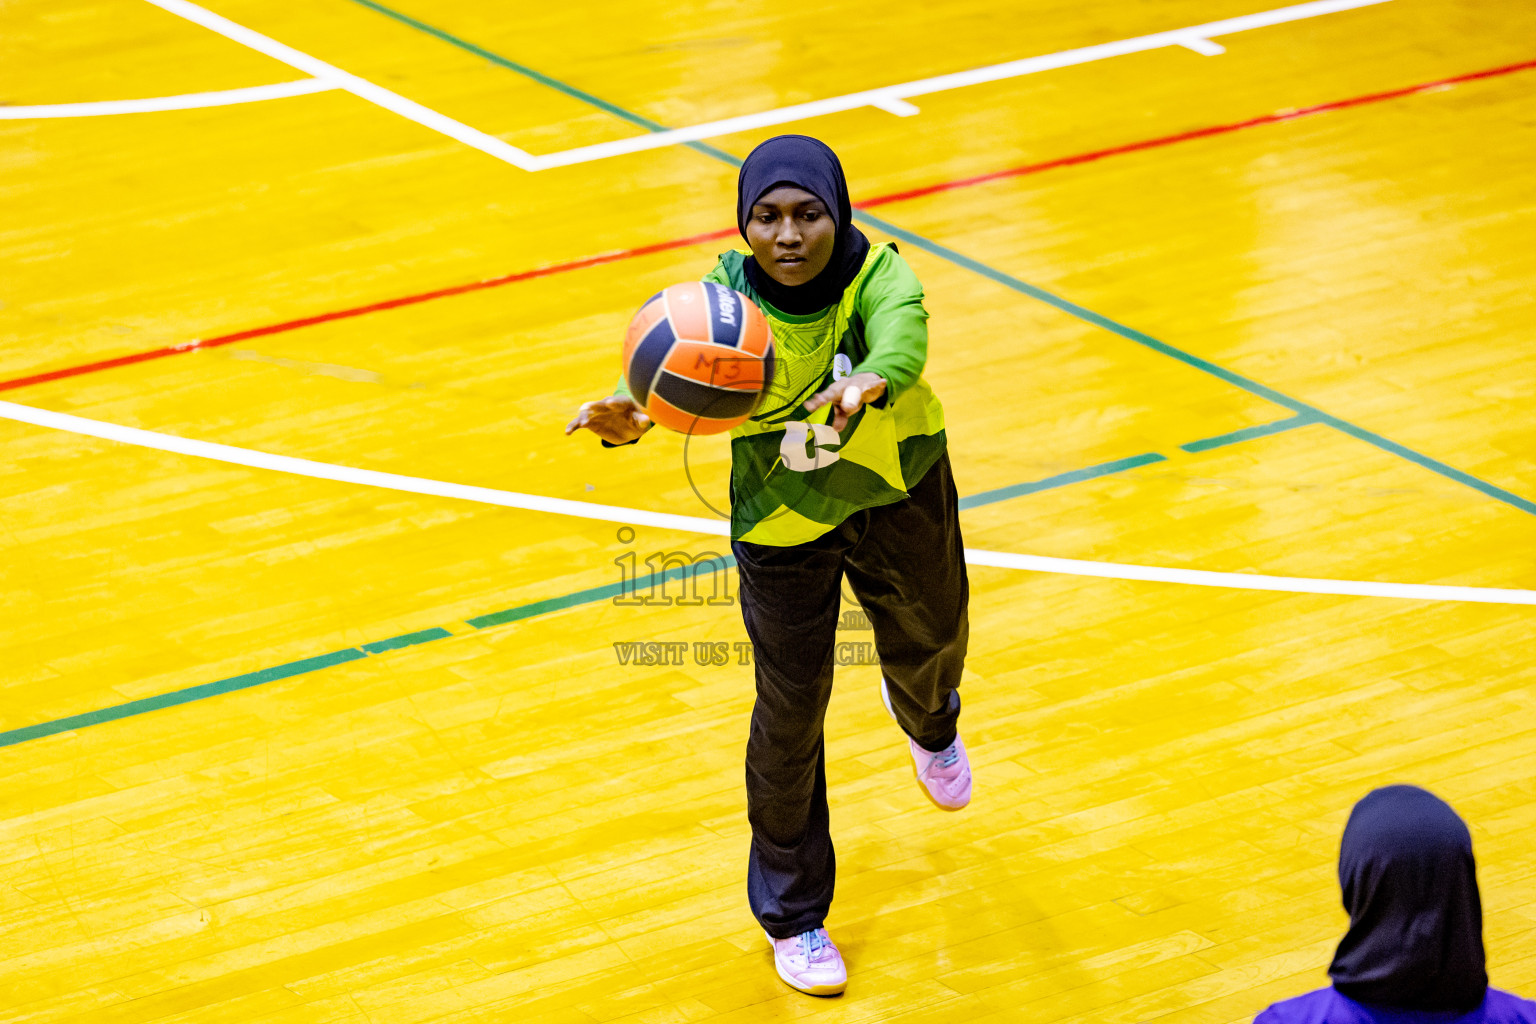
(1415, 938)
(809, 164)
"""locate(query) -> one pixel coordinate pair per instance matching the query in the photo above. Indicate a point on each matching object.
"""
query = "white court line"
(1248, 581)
(891, 98)
(719, 528)
(186, 101)
(359, 87)
(1203, 46)
(894, 98)
(351, 475)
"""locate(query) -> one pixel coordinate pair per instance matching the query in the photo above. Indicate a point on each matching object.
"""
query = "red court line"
(681, 243)
(1198, 133)
(375, 307)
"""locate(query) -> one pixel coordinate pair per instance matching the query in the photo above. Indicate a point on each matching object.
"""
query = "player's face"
(791, 234)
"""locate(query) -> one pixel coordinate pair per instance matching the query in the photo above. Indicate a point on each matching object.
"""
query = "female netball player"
(871, 498)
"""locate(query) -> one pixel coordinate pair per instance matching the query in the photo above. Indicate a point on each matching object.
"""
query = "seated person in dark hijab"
(1414, 950)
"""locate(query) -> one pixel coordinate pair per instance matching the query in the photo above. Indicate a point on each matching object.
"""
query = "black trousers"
(906, 565)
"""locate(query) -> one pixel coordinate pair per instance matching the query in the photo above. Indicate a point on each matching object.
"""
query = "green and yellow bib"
(793, 477)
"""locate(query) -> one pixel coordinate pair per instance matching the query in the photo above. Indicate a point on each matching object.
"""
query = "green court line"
(541, 78)
(1121, 465)
(1059, 480)
(590, 595)
(575, 599)
(1253, 387)
(191, 693)
(602, 593)
(394, 643)
(307, 665)
(1009, 281)
(1249, 433)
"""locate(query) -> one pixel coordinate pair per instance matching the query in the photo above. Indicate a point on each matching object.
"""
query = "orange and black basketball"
(698, 357)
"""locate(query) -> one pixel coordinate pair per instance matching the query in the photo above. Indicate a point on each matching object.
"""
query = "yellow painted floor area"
(508, 824)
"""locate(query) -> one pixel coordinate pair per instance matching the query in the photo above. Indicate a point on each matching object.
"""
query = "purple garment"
(1327, 1006)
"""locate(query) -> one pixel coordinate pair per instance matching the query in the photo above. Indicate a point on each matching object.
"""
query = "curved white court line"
(352, 475)
(719, 528)
(186, 101)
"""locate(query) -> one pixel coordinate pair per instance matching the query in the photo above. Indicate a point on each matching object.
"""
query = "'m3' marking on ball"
(698, 357)
(715, 367)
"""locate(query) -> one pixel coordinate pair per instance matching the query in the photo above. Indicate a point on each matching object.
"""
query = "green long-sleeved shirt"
(792, 477)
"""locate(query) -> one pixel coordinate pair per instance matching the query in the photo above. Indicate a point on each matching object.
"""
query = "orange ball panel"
(670, 416)
(715, 364)
(688, 308)
(756, 335)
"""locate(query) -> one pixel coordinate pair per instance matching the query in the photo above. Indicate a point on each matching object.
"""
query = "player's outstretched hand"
(616, 419)
(849, 393)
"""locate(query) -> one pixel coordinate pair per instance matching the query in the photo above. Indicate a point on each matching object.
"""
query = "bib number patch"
(823, 439)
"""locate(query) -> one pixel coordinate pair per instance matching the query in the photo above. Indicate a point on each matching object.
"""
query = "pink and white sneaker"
(810, 962)
(946, 774)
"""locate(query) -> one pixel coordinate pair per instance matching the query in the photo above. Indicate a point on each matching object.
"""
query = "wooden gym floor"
(268, 755)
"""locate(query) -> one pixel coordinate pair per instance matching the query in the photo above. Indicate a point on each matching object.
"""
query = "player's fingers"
(580, 420)
(821, 398)
(853, 396)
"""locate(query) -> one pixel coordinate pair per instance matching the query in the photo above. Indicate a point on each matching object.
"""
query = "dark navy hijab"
(1415, 938)
(809, 164)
